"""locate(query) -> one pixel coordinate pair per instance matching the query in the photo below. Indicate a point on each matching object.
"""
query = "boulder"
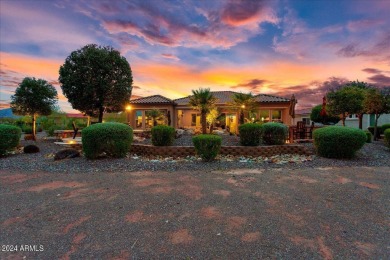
(179, 133)
(66, 153)
(189, 131)
(31, 149)
(220, 132)
(138, 139)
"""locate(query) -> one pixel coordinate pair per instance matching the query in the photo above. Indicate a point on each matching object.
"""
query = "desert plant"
(203, 101)
(31, 149)
(9, 137)
(163, 135)
(207, 146)
(338, 142)
(274, 133)
(113, 139)
(250, 134)
(387, 137)
(369, 136)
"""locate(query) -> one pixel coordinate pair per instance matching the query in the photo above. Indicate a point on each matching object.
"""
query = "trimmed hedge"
(274, 133)
(114, 139)
(163, 135)
(250, 134)
(9, 137)
(387, 137)
(207, 146)
(338, 141)
(384, 127)
(369, 136)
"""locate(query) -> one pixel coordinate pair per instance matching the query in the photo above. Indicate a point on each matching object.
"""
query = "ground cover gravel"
(372, 154)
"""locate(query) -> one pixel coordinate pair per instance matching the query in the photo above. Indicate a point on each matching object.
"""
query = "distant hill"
(7, 113)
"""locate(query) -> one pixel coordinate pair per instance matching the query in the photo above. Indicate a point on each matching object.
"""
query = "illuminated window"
(276, 115)
(264, 115)
(138, 119)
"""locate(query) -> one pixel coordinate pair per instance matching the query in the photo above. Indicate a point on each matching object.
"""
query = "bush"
(207, 146)
(31, 149)
(378, 131)
(27, 129)
(50, 131)
(369, 136)
(250, 134)
(114, 139)
(384, 127)
(163, 135)
(387, 137)
(338, 141)
(9, 137)
(274, 133)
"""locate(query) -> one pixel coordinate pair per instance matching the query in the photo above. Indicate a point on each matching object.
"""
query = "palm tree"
(243, 103)
(202, 100)
(155, 114)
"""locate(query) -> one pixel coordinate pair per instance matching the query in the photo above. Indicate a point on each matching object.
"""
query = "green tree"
(364, 87)
(212, 117)
(328, 119)
(377, 103)
(155, 114)
(345, 101)
(34, 97)
(243, 104)
(96, 79)
(203, 101)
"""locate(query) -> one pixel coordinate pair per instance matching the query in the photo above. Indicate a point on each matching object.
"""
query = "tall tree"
(377, 103)
(34, 97)
(96, 79)
(345, 101)
(203, 101)
(243, 103)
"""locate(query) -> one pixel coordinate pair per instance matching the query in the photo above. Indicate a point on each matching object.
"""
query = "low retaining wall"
(254, 151)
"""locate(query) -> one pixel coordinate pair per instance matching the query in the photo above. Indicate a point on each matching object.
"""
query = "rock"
(189, 131)
(66, 153)
(179, 133)
(220, 132)
(138, 139)
(31, 149)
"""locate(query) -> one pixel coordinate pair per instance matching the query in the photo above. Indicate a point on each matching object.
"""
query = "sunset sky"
(275, 47)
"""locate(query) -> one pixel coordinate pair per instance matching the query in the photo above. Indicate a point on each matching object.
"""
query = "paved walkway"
(320, 213)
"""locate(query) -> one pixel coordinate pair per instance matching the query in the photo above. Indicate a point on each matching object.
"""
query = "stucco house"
(180, 114)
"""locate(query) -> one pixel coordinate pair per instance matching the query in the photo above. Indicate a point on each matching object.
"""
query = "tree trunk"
(360, 116)
(33, 127)
(344, 117)
(204, 123)
(375, 128)
(101, 110)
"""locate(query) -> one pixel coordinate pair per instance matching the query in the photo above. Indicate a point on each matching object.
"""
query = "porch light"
(128, 108)
(243, 106)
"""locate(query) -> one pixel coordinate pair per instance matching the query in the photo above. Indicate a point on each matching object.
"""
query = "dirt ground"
(311, 213)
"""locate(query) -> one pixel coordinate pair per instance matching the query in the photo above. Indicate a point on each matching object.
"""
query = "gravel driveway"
(312, 213)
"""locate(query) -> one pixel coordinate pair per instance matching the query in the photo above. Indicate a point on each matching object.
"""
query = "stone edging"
(254, 151)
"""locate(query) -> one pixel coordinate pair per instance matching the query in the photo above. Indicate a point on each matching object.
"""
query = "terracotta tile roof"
(224, 97)
(156, 99)
(269, 98)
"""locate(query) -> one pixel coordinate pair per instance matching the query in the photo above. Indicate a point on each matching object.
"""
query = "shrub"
(27, 129)
(384, 127)
(163, 135)
(9, 137)
(274, 133)
(31, 149)
(66, 153)
(114, 139)
(338, 141)
(387, 137)
(369, 136)
(378, 131)
(207, 146)
(250, 134)
(50, 131)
